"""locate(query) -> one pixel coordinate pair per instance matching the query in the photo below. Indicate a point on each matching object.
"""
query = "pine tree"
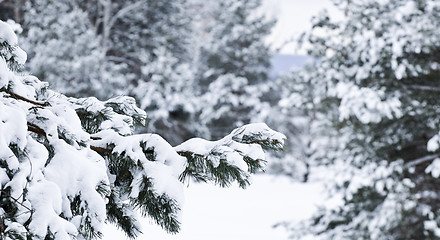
(232, 62)
(305, 113)
(139, 48)
(381, 65)
(236, 43)
(63, 48)
(159, 39)
(147, 49)
(68, 164)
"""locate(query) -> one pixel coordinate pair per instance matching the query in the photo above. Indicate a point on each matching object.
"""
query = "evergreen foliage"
(139, 48)
(156, 40)
(380, 68)
(236, 43)
(306, 113)
(159, 52)
(233, 61)
(63, 48)
(68, 165)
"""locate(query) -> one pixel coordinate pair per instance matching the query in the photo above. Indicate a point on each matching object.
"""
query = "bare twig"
(425, 88)
(19, 97)
(16, 200)
(122, 12)
(36, 129)
(100, 149)
(421, 160)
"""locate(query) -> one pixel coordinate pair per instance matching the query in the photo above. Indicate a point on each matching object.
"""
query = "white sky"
(293, 17)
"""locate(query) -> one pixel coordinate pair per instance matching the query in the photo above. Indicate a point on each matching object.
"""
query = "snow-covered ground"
(232, 213)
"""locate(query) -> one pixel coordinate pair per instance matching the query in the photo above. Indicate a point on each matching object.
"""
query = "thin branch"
(262, 141)
(120, 59)
(19, 97)
(36, 129)
(122, 12)
(100, 149)
(16, 200)
(425, 88)
(421, 160)
(183, 153)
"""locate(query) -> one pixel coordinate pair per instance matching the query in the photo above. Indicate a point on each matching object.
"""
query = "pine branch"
(266, 144)
(202, 169)
(10, 58)
(161, 208)
(185, 153)
(232, 158)
(19, 97)
(39, 131)
(229, 160)
(116, 215)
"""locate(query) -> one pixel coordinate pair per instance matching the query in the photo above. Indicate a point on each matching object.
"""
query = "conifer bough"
(69, 165)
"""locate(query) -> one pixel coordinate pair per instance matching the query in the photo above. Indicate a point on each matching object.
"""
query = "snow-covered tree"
(140, 48)
(381, 62)
(235, 44)
(305, 113)
(150, 50)
(63, 48)
(159, 40)
(68, 165)
(232, 60)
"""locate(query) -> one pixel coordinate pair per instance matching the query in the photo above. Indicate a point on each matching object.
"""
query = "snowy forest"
(109, 109)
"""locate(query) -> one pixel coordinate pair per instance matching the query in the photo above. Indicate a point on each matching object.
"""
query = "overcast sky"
(293, 17)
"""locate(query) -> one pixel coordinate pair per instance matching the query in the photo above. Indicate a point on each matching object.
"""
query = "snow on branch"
(149, 167)
(231, 158)
(68, 165)
(120, 114)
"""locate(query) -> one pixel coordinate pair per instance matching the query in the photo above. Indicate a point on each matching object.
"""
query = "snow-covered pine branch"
(68, 165)
(231, 158)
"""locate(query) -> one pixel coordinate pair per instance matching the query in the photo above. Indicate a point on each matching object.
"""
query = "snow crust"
(5, 75)
(87, 170)
(13, 129)
(7, 34)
